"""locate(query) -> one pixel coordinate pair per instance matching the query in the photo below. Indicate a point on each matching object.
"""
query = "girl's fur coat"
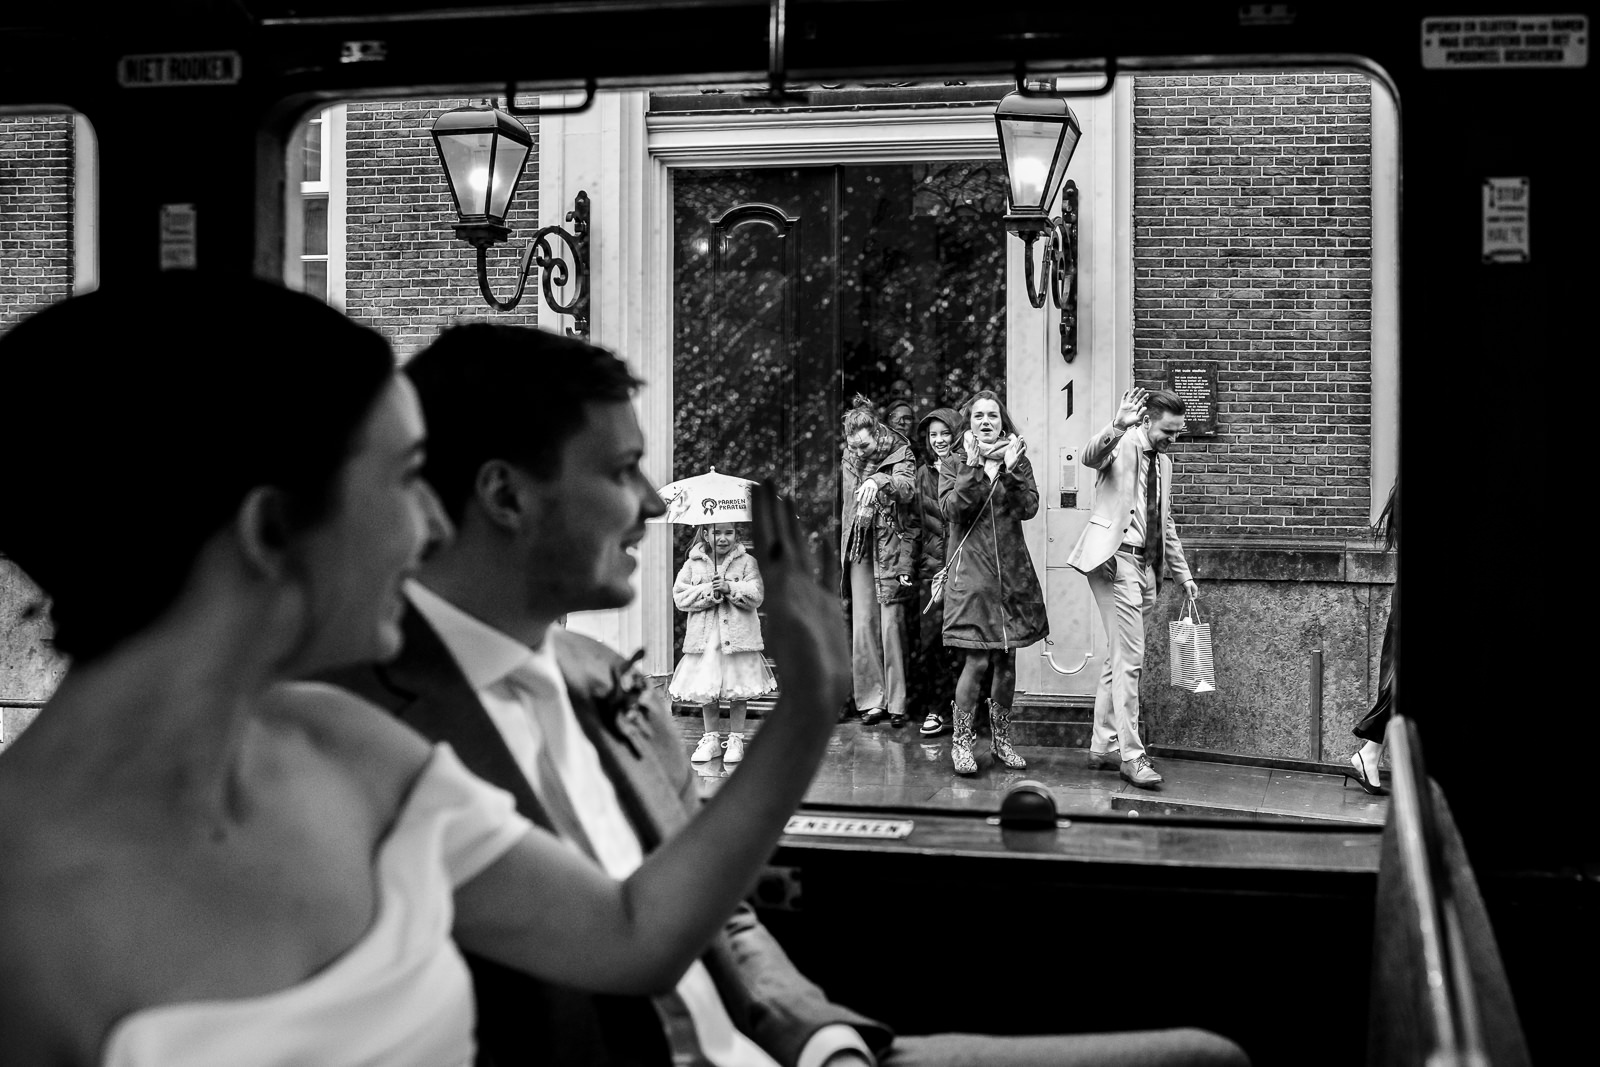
(740, 627)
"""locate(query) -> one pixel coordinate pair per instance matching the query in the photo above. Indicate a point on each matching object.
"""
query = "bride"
(217, 488)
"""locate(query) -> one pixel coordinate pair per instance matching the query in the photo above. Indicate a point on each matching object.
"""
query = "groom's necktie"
(1154, 531)
(534, 688)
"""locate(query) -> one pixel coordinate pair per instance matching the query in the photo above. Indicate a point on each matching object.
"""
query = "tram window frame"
(1381, 88)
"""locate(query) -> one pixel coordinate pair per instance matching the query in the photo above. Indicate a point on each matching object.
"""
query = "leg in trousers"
(866, 637)
(1103, 735)
(1123, 603)
(893, 642)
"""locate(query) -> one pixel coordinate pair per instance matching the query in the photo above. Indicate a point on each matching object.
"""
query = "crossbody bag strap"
(986, 500)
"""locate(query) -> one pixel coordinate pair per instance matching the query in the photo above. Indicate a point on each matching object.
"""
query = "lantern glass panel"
(1069, 144)
(467, 157)
(508, 162)
(1030, 147)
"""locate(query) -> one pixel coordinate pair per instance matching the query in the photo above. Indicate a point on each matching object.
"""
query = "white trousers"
(1123, 602)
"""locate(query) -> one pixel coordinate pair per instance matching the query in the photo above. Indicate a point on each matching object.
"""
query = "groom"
(534, 451)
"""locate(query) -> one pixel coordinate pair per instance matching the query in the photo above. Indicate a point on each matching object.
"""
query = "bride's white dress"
(400, 997)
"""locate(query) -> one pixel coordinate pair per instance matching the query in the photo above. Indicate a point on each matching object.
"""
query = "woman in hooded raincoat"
(993, 604)
(878, 537)
(932, 671)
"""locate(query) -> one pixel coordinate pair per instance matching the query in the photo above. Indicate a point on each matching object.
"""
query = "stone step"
(1057, 723)
(1055, 734)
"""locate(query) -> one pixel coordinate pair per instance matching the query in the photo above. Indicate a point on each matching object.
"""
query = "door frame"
(1033, 367)
(723, 142)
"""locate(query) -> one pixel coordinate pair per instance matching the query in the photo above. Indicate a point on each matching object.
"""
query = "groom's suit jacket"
(522, 1020)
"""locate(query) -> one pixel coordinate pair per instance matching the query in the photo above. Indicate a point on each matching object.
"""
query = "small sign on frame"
(1505, 221)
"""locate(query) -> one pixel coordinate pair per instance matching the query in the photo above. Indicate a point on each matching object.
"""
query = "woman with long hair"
(878, 536)
(993, 604)
(205, 862)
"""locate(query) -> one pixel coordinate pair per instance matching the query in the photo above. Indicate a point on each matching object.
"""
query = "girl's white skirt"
(702, 677)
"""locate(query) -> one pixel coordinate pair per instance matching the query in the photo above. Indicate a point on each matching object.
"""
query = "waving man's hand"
(1132, 409)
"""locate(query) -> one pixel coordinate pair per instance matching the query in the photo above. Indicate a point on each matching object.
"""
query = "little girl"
(720, 588)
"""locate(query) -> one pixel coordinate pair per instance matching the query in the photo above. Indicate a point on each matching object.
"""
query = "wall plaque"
(1196, 383)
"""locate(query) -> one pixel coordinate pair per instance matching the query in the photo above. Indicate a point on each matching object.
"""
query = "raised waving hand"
(1132, 408)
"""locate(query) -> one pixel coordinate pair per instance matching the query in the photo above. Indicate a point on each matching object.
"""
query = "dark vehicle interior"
(1459, 930)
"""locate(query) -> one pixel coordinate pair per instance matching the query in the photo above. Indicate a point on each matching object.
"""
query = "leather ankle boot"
(1000, 723)
(961, 739)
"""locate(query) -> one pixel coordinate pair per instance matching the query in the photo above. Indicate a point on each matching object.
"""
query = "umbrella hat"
(705, 499)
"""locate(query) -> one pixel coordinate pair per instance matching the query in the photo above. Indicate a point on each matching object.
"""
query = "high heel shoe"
(1361, 778)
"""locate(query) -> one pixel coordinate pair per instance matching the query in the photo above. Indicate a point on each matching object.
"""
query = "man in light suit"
(534, 451)
(1129, 541)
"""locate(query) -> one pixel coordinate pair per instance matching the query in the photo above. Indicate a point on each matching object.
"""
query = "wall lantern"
(1038, 133)
(483, 151)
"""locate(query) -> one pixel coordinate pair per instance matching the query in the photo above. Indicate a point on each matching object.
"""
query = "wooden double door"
(798, 287)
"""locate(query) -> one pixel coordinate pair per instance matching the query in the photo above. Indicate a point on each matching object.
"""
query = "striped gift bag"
(1190, 650)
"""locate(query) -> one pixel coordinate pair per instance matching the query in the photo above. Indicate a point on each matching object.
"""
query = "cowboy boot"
(961, 739)
(1000, 723)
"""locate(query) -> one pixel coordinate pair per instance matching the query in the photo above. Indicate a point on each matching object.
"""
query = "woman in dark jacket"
(878, 536)
(992, 601)
(936, 433)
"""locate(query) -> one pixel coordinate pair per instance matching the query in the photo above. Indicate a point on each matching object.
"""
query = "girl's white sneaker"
(734, 749)
(708, 748)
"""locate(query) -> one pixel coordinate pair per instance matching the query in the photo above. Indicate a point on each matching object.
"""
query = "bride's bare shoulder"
(341, 727)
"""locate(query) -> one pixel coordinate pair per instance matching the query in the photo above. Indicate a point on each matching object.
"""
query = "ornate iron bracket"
(553, 269)
(1058, 266)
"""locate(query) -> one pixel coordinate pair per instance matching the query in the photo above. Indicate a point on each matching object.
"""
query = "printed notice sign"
(833, 826)
(1505, 220)
(175, 69)
(1196, 385)
(178, 237)
(1504, 42)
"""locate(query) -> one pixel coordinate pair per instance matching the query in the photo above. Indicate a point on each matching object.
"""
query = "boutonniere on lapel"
(621, 707)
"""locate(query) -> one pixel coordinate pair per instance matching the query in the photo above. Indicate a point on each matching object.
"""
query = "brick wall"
(1252, 248)
(406, 273)
(36, 193)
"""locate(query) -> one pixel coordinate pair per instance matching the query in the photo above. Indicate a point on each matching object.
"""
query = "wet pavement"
(880, 765)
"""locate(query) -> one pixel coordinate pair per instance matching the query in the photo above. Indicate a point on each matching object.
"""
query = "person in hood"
(936, 433)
